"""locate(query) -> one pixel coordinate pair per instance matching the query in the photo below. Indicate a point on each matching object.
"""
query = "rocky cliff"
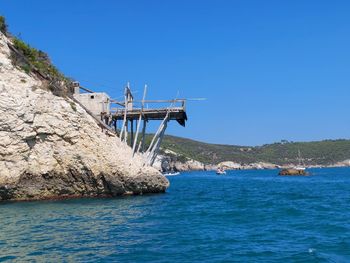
(50, 147)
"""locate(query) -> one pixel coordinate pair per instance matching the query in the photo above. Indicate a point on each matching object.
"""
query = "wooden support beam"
(158, 137)
(142, 142)
(139, 121)
(153, 150)
(126, 133)
(155, 137)
(123, 129)
(118, 102)
(131, 132)
(162, 101)
(157, 146)
(85, 89)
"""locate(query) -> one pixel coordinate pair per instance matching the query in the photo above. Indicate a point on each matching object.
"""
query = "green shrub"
(73, 106)
(25, 49)
(33, 60)
(3, 26)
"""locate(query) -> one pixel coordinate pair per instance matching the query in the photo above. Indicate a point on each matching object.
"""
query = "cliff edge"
(50, 147)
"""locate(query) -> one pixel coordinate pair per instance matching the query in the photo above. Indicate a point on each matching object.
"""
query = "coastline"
(194, 165)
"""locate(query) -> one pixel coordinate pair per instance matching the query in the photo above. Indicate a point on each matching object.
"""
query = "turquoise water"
(246, 216)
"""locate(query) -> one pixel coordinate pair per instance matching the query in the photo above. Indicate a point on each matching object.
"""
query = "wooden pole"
(152, 150)
(139, 122)
(157, 134)
(157, 137)
(154, 139)
(131, 132)
(123, 130)
(126, 132)
(142, 143)
(155, 151)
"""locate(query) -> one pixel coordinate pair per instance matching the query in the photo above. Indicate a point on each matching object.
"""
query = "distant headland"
(187, 154)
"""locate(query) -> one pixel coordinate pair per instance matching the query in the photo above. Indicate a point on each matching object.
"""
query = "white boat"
(301, 165)
(171, 174)
(298, 169)
(220, 171)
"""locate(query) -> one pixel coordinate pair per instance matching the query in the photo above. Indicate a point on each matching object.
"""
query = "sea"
(244, 216)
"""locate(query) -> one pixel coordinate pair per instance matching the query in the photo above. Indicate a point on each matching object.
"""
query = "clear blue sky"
(270, 70)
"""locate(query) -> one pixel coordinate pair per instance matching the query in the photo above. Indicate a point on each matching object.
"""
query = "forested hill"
(314, 153)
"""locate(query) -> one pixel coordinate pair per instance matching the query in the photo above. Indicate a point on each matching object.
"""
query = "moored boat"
(171, 174)
(296, 170)
(220, 171)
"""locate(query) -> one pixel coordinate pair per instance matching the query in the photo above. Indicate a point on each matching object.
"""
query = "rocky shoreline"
(169, 163)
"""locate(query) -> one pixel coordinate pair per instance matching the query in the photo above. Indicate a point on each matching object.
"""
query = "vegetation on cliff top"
(3, 26)
(37, 58)
(314, 153)
(32, 60)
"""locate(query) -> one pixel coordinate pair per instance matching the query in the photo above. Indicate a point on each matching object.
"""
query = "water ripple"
(246, 216)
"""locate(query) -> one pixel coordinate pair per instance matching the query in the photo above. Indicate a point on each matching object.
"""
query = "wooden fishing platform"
(175, 113)
(130, 112)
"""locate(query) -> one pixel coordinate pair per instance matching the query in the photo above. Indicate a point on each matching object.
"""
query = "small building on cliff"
(98, 103)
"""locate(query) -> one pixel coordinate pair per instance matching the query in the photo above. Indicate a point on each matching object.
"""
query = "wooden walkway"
(175, 113)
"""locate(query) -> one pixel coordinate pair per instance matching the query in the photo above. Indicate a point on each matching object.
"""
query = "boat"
(171, 173)
(220, 171)
(299, 169)
(301, 165)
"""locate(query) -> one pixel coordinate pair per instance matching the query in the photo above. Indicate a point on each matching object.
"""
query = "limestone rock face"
(228, 165)
(51, 148)
(168, 164)
(260, 166)
(344, 163)
(190, 165)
